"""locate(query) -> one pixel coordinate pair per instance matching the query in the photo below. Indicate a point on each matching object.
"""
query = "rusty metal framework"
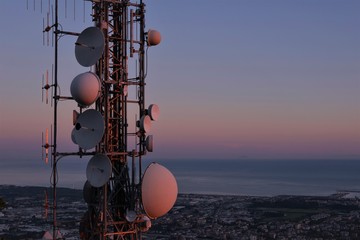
(115, 210)
(121, 195)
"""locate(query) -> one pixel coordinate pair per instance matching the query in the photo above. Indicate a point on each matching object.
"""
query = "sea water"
(267, 177)
(230, 177)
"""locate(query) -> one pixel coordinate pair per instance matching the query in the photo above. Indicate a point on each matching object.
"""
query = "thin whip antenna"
(34, 5)
(47, 146)
(74, 10)
(27, 4)
(84, 11)
(65, 8)
(42, 146)
(41, 6)
(43, 32)
(47, 87)
(51, 142)
(52, 24)
(52, 84)
(48, 24)
(42, 88)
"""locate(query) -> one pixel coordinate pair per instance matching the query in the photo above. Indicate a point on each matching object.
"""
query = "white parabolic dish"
(89, 46)
(85, 88)
(159, 190)
(98, 170)
(89, 129)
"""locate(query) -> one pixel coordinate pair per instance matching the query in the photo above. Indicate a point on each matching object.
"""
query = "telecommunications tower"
(112, 123)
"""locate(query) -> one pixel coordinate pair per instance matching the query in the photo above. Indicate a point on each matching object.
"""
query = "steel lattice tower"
(121, 193)
(119, 205)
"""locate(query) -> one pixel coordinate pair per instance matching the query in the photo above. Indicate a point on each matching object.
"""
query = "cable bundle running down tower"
(122, 198)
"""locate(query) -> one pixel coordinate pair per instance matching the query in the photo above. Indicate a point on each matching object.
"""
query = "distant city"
(196, 216)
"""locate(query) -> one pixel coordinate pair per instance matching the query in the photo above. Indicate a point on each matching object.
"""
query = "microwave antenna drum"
(85, 88)
(159, 190)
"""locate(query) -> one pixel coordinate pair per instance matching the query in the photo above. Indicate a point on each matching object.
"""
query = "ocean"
(222, 177)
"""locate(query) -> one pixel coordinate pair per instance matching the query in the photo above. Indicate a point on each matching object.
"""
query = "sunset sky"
(253, 79)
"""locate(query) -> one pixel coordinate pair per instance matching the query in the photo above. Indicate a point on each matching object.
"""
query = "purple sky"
(233, 79)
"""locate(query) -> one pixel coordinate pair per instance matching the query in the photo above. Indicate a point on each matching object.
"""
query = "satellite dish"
(89, 193)
(98, 170)
(153, 37)
(145, 123)
(154, 112)
(89, 46)
(73, 136)
(89, 129)
(85, 88)
(149, 143)
(159, 190)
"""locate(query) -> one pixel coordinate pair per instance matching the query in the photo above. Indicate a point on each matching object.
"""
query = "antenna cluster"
(121, 198)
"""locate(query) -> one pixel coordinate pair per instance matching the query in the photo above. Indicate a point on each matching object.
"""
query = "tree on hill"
(2, 204)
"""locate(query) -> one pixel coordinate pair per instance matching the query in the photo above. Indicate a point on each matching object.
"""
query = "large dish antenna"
(98, 170)
(154, 112)
(85, 88)
(159, 190)
(89, 46)
(89, 129)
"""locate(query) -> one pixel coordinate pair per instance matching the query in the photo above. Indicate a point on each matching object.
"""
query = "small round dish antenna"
(145, 224)
(98, 170)
(159, 190)
(73, 136)
(149, 143)
(85, 88)
(154, 112)
(145, 123)
(89, 129)
(89, 46)
(153, 37)
(130, 215)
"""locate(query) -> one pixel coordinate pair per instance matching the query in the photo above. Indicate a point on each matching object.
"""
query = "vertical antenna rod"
(55, 120)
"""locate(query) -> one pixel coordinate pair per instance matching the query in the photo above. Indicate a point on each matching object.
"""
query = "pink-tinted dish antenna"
(159, 190)
(85, 88)
(149, 143)
(153, 37)
(154, 112)
(145, 123)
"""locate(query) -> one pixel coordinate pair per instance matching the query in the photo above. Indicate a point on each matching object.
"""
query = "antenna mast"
(121, 199)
